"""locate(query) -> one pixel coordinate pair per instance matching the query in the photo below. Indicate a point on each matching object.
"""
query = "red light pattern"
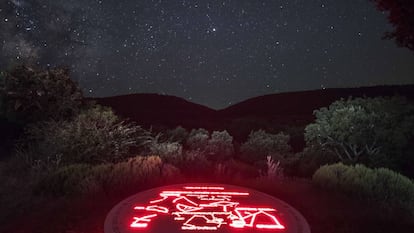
(205, 208)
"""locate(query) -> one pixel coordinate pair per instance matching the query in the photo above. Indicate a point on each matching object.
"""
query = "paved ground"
(201, 207)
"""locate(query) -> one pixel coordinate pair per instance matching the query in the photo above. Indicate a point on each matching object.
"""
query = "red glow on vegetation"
(204, 208)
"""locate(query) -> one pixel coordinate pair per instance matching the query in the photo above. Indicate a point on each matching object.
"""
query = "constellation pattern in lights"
(205, 208)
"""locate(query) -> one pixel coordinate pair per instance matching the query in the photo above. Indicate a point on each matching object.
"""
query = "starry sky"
(215, 53)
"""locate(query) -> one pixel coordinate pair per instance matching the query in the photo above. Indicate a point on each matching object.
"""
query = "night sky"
(215, 53)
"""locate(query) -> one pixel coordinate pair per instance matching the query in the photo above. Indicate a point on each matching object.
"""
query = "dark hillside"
(303, 103)
(154, 109)
(289, 112)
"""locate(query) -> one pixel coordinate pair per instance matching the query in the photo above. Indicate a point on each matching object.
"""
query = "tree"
(401, 16)
(178, 134)
(30, 95)
(197, 139)
(260, 144)
(367, 130)
(93, 136)
(220, 146)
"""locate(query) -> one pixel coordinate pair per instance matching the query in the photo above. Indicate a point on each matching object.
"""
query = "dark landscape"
(206, 116)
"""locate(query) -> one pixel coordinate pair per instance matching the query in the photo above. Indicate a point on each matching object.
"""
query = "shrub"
(95, 135)
(194, 163)
(274, 170)
(381, 185)
(31, 95)
(197, 139)
(241, 169)
(87, 179)
(179, 134)
(261, 144)
(170, 152)
(306, 163)
(220, 146)
(373, 131)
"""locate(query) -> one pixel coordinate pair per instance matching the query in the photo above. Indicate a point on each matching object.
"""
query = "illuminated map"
(205, 208)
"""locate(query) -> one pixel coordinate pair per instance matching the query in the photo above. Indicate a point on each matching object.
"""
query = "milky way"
(215, 53)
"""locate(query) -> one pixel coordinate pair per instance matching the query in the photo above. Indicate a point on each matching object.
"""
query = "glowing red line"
(182, 208)
(255, 209)
(185, 198)
(204, 188)
(266, 226)
(137, 224)
(219, 200)
(205, 193)
(160, 209)
(159, 200)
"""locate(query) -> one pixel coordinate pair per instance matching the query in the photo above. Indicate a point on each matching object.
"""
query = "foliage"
(274, 170)
(197, 139)
(179, 134)
(220, 146)
(364, 129)
(261, 144)
(306, 162)
(401, 14)
(170, 152)
(31, 95)
(231, 170)
(95, 135)
(194, 163)
(107, 178)
(379, 185)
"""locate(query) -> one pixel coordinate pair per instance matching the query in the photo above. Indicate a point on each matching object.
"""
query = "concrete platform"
(204, 207)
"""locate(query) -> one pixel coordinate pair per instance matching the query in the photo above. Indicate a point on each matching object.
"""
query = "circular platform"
(203, 208)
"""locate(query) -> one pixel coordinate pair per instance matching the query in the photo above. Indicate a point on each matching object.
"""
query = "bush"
(170, 152)
(233, 169)
(381, 185)
(261, 144)
(31, 95)
(95, 135)
(194, 163)
(179, 134)
(306, 163)
(220, 146)
(197, 139)
(373, 131)
(108, 178)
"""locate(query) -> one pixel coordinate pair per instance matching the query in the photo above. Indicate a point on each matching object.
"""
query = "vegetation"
(87, 179)
(401, 17)
(179, 134)
(380, 185)
(94, 136)
(82, 150)
(170, 152)
(309, 160)
(374, 131)
(261, 144)
(220, 146)
(30, 95)
(197, 139)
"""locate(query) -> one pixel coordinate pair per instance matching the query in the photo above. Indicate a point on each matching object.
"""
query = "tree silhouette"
(401, 16)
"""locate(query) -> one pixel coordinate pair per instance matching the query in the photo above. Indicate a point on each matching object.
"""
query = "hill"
(305, 102)
(159, 110)
(289, 112)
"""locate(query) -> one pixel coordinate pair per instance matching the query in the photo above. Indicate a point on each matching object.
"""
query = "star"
(220, 51)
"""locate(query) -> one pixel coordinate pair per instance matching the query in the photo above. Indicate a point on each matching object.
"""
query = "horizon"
(254, 97)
